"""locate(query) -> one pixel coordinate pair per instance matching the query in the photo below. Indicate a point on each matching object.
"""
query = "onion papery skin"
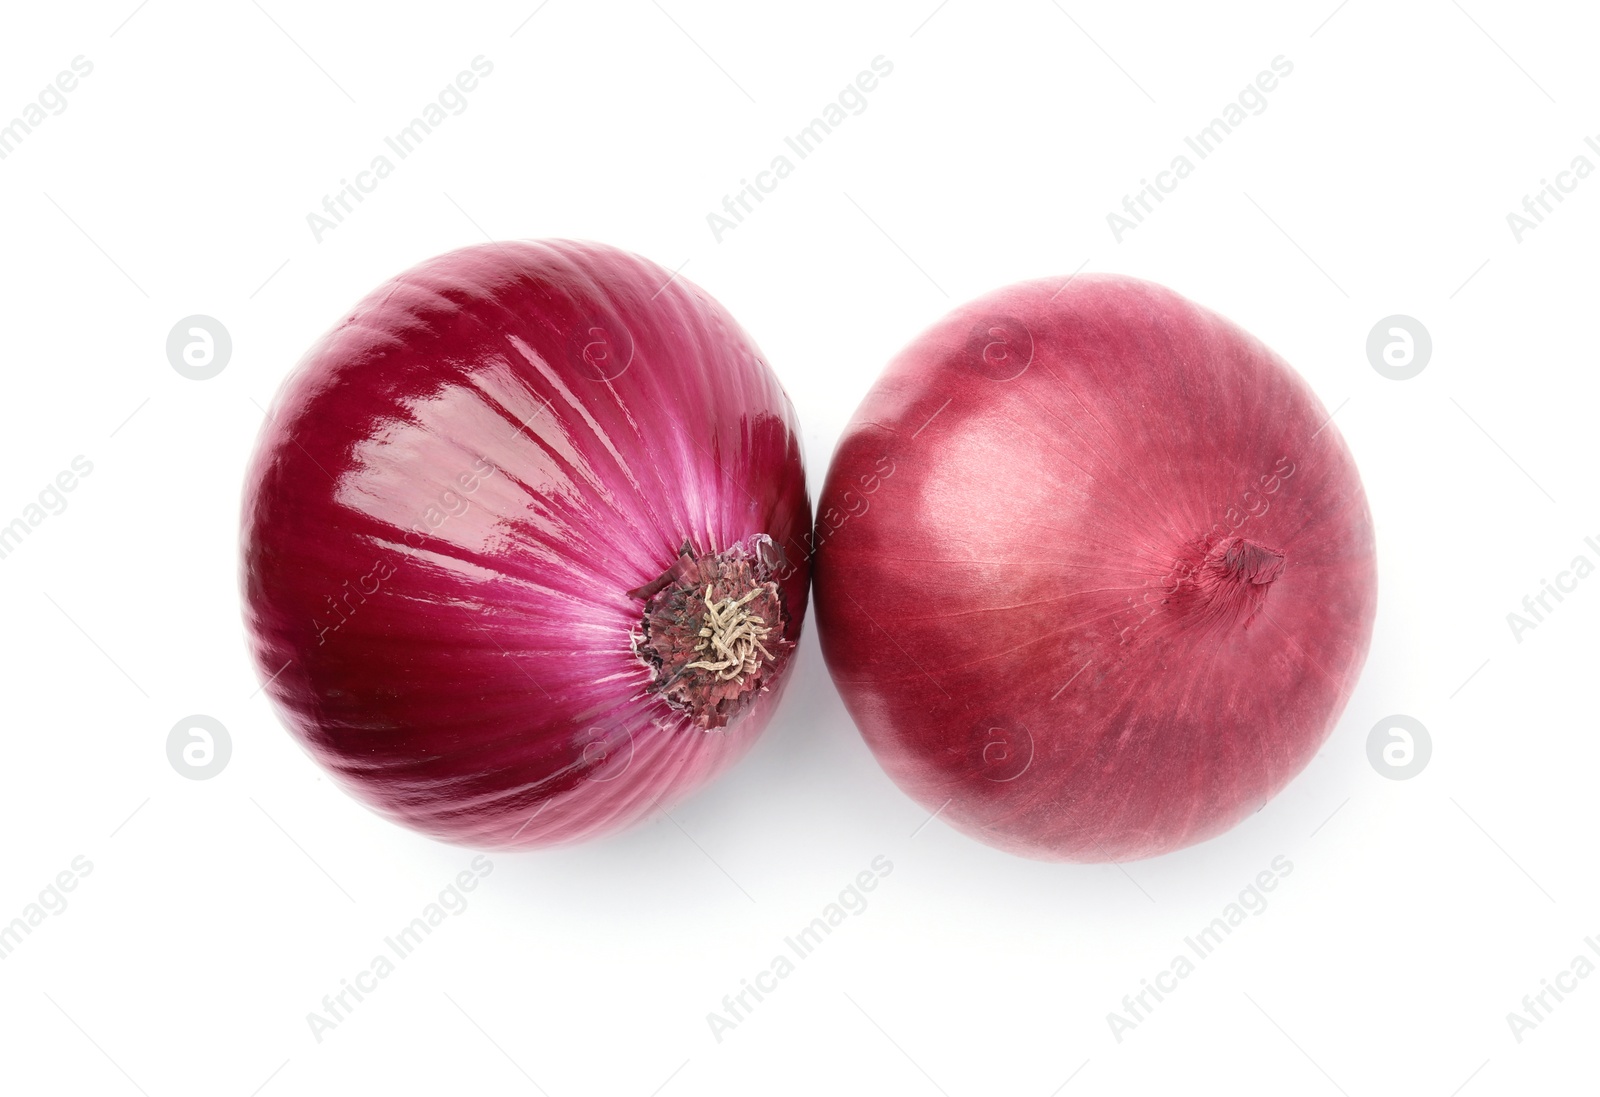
(453, 503)
(1095, 574)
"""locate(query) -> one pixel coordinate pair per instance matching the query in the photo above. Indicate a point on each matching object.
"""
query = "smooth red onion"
(1095, 573)
(512, 545)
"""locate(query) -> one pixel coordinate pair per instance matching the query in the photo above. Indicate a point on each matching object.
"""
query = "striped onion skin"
(457, 495)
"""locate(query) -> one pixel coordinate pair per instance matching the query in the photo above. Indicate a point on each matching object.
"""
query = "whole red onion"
(513, 558)
(1095, 574)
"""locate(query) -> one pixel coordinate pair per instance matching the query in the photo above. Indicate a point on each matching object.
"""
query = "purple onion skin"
(453, 497)
(1095, 574)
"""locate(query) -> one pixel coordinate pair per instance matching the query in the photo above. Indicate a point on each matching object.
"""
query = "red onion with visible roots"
(513, 562)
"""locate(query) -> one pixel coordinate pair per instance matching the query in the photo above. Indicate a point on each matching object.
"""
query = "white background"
(218, 913)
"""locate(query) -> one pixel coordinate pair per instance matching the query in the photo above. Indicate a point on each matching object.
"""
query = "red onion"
(1095, 574)
(512, 546)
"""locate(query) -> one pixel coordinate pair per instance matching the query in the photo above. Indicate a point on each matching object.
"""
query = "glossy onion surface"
(1095, 574)
(458, 508)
